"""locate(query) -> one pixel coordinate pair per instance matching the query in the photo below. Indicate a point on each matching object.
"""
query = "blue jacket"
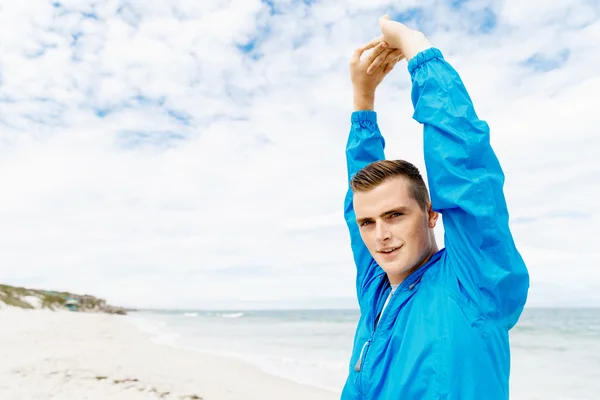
(445, 332)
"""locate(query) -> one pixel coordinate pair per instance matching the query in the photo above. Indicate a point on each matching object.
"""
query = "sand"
(67, 355)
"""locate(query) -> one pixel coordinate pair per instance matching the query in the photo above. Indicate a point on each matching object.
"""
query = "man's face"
(389, 218)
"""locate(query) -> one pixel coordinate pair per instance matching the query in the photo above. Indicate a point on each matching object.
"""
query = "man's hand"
(400, 36)
(380, 61)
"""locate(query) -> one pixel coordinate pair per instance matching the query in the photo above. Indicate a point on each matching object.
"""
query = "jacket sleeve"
(365, 145)
(466, 184)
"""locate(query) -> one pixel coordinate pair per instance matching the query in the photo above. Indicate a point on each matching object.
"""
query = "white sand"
(67, 355)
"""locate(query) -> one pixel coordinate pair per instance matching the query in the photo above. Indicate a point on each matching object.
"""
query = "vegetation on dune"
(35, 298)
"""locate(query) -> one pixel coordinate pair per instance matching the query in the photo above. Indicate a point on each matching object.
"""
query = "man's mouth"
(389, 250)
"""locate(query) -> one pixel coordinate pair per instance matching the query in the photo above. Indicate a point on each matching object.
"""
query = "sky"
(191, 154)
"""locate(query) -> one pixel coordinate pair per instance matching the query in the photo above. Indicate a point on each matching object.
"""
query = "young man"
(434, 322)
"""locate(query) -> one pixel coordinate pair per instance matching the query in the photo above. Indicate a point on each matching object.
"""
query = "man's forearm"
(364, 101)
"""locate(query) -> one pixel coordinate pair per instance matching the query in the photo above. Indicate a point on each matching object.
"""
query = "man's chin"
(395, 268)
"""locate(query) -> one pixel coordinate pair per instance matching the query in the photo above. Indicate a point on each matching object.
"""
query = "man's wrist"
(364, 101)
(414, 53)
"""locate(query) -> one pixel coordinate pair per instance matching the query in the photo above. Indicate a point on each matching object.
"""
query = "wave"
(232, 315)
(193, 314)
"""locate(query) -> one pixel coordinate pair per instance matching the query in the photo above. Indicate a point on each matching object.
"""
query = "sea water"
(555, 352)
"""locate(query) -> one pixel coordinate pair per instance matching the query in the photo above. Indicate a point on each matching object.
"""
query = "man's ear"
(432, 216)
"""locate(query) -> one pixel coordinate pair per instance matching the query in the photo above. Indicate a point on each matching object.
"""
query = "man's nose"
(382, 231)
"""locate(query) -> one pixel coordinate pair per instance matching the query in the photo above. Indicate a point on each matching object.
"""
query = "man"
(434, 322)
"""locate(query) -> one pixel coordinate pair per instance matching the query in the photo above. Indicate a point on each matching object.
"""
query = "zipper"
(403, 286)
(365, 347)
(360, 357)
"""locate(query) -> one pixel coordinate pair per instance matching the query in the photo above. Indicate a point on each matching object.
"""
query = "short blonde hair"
(381, 171)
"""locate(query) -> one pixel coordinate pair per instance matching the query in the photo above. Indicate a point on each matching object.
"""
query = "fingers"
(377, 61)
(391, 60)
(374, 42)
(356, 55)
(394, 55)
(384, 59)
(377, 50)
(377, 41)
(390, 66)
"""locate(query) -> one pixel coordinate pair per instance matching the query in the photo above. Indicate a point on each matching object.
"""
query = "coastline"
(101, 356)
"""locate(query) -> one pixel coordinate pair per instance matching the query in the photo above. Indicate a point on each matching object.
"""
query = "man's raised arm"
(465, 181)
(365, 145)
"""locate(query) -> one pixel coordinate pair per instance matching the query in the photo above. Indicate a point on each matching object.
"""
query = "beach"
(261, 354)
(67, 355)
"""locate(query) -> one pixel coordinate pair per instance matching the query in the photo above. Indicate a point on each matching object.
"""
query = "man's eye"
(365, 223)
(397, 214)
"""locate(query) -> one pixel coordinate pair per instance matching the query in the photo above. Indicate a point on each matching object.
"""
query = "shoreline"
(100, 356)
(156, 339)
(249, 364)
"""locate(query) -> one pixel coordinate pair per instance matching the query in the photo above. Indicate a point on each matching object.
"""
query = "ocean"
(555, 352)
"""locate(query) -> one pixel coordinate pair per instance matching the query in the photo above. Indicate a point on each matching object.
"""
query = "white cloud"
(145, 158)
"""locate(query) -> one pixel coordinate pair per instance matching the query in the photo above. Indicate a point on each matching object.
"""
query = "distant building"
(72, 304)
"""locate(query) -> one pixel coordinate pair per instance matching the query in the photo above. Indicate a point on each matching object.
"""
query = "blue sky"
(191, 154)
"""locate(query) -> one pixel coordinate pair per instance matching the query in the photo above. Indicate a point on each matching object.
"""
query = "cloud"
(191, 154)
